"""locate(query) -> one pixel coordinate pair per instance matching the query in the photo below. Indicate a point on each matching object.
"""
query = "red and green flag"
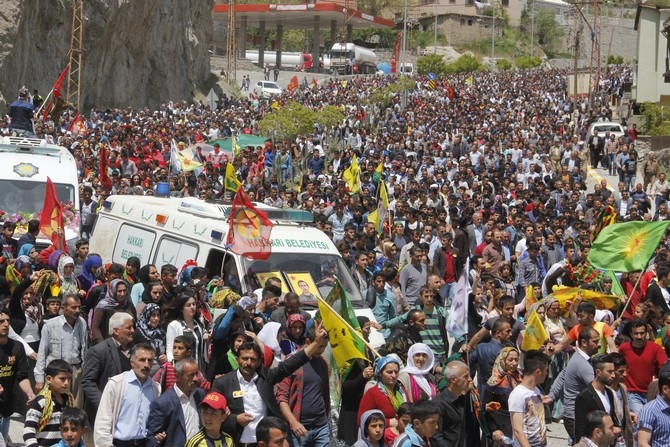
(626, 247)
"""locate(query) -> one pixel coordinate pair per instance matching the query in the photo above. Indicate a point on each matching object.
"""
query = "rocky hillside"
(136, 53)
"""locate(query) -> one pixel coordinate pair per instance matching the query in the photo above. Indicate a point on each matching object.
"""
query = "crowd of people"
(486, 181)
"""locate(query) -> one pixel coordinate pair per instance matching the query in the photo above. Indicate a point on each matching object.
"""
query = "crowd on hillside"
(487, 184)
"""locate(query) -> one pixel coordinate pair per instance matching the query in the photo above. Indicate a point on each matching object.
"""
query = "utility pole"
(231, 45)
(404, 54)
(578, 31)
(493, 40)
(76, 49)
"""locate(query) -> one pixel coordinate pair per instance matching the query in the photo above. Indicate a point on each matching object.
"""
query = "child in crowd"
(373, 424)
(181, 349)
(404, 419)
(425, 415)
(72, 428)
(213, 411)
(295, 336)
(663, 332)
(42, 424)
(52, 309)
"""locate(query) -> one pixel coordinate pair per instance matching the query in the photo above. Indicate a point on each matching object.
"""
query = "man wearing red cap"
(213, 411)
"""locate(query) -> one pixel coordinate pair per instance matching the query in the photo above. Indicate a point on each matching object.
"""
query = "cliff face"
(136, 52)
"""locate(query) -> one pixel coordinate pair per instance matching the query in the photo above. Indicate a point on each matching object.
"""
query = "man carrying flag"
(56, 106)
(21, 115)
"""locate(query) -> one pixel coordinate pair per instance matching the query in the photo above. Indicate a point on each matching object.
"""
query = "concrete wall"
(651, 51)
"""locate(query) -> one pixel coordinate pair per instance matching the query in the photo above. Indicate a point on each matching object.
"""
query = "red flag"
(51, 218)
(78, 126)
(105, 181)
(59, 82)
(293, 84)
(48, 108)
(250, 228)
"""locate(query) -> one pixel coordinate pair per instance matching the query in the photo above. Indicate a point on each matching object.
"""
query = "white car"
(266, 89)
(615, 129)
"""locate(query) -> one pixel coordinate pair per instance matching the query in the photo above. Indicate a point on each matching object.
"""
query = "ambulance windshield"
(307, 274)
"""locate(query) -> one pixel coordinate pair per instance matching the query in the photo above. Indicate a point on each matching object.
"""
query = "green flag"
(616, 285)
(626, 247)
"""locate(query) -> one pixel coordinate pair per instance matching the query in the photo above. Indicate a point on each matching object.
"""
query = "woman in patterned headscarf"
(149, 330)
(505, 376)
(387, 394)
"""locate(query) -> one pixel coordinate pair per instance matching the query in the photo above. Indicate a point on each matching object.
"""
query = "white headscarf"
(419, 375)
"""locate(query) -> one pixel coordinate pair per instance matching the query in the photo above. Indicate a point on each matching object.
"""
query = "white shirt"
(605, 400)
(190, 411)
(253, 404)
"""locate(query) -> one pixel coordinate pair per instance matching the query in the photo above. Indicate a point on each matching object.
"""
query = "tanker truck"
(289, 61)
(348, 58)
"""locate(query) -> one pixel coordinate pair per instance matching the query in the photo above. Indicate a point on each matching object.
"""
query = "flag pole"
(44, 103)
(637, 283)
(353, 331)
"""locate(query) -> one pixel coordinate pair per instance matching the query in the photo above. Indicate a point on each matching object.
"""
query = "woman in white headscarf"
(416, 378)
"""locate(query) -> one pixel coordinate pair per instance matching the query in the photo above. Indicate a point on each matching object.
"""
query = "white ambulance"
(25, 164)
(169, 230)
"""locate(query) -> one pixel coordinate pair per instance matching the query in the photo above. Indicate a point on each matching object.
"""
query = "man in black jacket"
(597, 396)
(107, 359)
(249, 390)
(456, 425)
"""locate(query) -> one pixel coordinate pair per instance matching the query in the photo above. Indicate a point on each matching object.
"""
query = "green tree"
(614, 60)
(287, 122)
(527, 62)
(503, 64)
(431, 63)
(654, 121)
(547, 31)
(329, 116)
(467, 63)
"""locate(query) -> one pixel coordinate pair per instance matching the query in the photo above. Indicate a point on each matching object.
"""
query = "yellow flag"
(470, 80)
(383, 196)
(231, 183)
(346, 346)
(236, 147)
(187, 163)
(535, 335)
(353, 176)
(373, 217)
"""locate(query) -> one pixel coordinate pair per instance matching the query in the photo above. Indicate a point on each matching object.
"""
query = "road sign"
(431, 76)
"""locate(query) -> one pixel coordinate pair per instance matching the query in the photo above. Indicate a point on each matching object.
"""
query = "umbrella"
(385, 67)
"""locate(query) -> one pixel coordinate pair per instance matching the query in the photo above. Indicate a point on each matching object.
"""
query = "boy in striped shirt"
(42, 424)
